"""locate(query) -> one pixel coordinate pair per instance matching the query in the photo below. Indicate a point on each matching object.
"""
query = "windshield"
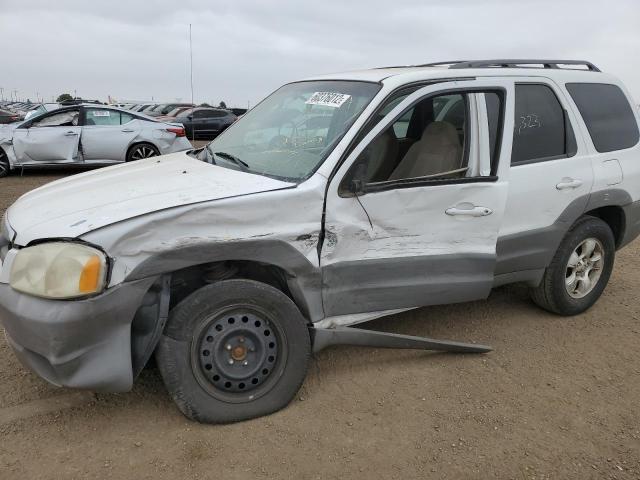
(291, 132)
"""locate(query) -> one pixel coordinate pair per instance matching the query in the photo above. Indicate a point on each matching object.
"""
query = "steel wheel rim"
(584, 268)
(143, 152)
(254, 371)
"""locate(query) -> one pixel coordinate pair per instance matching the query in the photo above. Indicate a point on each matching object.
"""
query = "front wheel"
(141, 151)
(580, 269)
(234, 350)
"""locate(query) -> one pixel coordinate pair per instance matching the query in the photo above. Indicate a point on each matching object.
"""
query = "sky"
(245, 49)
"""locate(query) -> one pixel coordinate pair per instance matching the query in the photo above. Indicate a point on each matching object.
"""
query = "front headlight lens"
(59, 270)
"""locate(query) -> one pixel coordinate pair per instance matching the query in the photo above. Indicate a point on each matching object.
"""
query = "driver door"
(418, 226)
(53, 138)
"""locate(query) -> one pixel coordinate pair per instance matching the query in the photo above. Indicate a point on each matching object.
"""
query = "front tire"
(234, 350)
(580, 269)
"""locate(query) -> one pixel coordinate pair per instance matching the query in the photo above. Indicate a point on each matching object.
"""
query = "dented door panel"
(403, 247)
(46, 144)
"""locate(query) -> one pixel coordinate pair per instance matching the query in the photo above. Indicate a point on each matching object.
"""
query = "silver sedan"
(86, 135)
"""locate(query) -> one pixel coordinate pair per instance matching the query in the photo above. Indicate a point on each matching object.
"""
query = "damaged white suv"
(335, 200)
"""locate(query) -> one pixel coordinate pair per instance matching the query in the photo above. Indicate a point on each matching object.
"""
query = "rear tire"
(234, 350)
(140, 151)
(580, 269)
(5, 168)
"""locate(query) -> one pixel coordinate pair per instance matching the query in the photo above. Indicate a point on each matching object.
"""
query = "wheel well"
(612, 216)
(188, 280)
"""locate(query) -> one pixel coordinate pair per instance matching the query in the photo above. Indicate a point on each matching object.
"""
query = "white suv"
(337, 199)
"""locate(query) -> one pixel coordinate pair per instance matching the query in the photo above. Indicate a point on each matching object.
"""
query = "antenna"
(193, 130)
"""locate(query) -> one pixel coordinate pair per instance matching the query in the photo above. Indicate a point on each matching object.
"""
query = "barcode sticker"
(328, 99)
(101, 113)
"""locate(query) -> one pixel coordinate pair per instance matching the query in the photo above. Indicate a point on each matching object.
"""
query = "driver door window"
(429, 141)
(59, 119)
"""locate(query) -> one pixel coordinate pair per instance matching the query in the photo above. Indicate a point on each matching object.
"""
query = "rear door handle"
(71, 134)
(470, 212)
(128, 130)
(567, 183)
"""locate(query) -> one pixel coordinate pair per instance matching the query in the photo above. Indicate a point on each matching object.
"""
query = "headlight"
(59, 270)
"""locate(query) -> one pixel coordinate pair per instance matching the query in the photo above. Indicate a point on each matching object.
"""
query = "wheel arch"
(274, 262)
(614, 216)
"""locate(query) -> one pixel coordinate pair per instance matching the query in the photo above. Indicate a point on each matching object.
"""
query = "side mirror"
(357, 187)
(189, 117)
(357, 184)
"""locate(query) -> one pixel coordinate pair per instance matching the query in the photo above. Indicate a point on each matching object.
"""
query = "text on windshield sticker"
(328, 99)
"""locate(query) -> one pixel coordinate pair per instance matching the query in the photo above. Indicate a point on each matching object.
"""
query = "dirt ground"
(558, 398)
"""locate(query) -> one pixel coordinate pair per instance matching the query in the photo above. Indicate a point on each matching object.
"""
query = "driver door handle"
(566, 183)
(70, 134)
(471, 212)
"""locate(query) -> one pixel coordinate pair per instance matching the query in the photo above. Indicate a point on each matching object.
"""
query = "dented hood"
(77, 204)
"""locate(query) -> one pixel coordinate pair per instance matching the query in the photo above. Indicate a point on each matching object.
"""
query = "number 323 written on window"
(528, 121)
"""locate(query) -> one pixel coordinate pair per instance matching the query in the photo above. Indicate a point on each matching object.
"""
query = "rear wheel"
(580, 269)
(141, 151)
(234, 350)
(4, 166)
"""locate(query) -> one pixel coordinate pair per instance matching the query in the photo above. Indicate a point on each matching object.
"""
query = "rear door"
(106, 134)
(550, 178)
(427, 236)
(53, 138)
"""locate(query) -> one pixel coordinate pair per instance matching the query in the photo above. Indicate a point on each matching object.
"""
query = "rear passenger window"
(607, 114)
(541, 131)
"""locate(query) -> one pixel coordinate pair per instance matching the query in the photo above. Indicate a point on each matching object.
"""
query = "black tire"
(217, 317)
(5, 168)
(140, 151)
(552, 294)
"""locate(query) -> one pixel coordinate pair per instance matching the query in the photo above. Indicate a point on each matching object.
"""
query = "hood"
(81, 203)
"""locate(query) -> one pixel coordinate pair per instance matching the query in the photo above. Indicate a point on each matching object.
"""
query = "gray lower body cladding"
(533, 250)
(405, 282)
(75, 343)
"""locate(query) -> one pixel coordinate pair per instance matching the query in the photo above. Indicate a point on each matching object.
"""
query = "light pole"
(1, 94)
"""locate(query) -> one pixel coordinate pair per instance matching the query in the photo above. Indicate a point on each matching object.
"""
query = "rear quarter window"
(607, 114)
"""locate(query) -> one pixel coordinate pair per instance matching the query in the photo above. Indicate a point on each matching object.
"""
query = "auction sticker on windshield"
(328, 99)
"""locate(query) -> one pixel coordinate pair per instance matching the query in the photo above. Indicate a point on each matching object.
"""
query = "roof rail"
(512, 63)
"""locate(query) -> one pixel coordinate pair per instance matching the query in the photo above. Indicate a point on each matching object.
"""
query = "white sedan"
(90, 135)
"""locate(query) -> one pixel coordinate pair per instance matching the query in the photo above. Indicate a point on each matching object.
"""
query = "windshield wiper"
(227, 156)
(210, 158)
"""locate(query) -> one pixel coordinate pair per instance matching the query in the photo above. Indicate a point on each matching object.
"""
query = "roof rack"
(511, 63)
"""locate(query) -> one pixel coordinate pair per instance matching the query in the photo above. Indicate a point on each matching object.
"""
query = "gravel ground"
(558, 398)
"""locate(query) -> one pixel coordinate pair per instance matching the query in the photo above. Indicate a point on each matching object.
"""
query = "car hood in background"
(81, 203)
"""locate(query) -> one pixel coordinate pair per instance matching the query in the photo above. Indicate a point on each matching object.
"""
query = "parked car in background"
(8, 117)
(165, 108)
(144, 106)
(86, 135)
(205, 123)
(173, 114)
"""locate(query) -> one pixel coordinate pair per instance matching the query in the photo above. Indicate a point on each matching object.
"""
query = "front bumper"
(75, 343)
